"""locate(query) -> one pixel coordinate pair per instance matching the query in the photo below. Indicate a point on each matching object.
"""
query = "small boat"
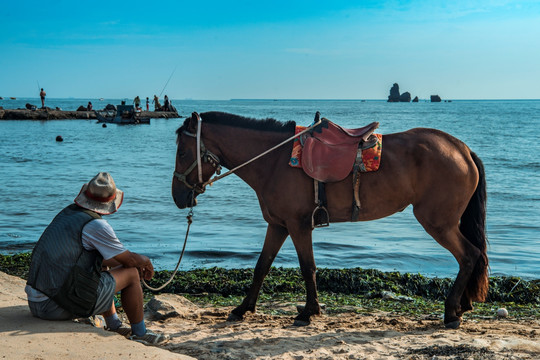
(1, 98)
(101, 99)
(124, 114)
(13, 98)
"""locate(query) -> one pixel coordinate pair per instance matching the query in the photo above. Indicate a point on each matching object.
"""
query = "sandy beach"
(203, 333)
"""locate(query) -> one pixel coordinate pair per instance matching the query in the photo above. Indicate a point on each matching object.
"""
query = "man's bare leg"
(128, 282)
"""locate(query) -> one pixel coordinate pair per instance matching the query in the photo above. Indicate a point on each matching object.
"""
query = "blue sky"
(279, 49)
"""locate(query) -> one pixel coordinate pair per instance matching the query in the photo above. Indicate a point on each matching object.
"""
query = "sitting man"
(66, 280)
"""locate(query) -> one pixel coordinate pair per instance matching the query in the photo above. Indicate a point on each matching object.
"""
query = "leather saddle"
(329, 150)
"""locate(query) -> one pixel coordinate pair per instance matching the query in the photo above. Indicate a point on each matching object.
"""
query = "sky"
(214, 50)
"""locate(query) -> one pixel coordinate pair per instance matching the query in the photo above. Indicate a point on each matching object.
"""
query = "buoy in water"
(59, 138)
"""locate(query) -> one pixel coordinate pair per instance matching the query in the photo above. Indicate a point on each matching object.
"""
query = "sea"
(39, 176)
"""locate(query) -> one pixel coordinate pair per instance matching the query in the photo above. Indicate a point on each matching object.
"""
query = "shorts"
(50, 310)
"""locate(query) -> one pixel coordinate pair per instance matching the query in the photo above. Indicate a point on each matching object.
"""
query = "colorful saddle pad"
(371, 157)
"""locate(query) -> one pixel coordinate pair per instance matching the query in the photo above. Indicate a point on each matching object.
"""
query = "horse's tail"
(473, 227)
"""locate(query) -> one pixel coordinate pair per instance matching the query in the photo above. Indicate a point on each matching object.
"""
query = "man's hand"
(130, 259)
(147, 271)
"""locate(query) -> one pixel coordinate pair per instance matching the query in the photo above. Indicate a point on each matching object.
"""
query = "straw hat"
(100, 195)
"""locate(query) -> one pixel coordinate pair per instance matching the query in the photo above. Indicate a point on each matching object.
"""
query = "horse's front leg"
(303, 243)
(275, 237)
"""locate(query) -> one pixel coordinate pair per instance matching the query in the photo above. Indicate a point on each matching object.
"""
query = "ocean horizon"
(7, 100)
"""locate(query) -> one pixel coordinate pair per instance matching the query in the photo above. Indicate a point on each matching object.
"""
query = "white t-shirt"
(99, 235)
(96, 235)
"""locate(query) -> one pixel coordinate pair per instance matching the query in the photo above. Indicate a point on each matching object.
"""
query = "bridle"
(206, 157)
(211, 158)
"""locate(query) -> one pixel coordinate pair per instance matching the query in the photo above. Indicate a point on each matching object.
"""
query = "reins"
(216, 178)
(189, 221)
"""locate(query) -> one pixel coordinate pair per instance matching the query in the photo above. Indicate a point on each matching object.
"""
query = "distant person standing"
(166, 104)
(89, 107)
(157, 105)
(42, 95)
(137, 102)
(147, 104)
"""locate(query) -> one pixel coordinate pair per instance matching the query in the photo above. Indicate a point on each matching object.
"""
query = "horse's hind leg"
(275, 237)
(463, 251)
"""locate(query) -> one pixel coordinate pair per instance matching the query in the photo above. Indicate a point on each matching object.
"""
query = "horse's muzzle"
(185, 200)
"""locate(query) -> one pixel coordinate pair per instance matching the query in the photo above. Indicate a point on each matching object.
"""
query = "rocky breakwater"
(50, 114)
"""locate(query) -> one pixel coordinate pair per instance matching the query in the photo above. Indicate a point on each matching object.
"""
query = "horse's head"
(195, 163)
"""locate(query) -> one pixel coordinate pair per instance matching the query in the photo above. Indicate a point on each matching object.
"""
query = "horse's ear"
(193, 120)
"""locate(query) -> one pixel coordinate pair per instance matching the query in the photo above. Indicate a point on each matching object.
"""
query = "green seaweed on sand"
(356, 290)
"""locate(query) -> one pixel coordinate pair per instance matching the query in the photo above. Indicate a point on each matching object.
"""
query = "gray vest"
(61, 268)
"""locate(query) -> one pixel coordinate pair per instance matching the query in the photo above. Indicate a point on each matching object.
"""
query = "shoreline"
(357, 285)
(46, 114)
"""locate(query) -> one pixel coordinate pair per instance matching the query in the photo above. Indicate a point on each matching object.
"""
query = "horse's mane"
(217, 117)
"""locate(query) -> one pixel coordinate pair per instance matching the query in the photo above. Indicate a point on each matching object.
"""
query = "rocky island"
(395, 96)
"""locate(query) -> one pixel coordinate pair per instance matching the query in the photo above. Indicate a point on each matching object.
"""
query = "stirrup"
(322, 214)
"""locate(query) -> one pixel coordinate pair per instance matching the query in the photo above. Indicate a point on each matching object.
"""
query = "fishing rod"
(167, 83)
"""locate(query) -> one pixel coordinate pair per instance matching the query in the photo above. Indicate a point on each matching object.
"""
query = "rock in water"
(405, 97)
(394, 93)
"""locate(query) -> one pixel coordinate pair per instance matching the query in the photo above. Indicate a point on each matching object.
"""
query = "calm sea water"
(40, 176)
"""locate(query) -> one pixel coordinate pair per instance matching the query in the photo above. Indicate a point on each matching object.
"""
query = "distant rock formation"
(405, 97)
(435, 98)
(396, 97)
(415, 99)
(394, 93)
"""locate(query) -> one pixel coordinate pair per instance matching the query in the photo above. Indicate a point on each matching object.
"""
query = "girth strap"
(356, 186)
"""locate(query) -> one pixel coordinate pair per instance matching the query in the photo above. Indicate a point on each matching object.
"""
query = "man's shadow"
(18, 320)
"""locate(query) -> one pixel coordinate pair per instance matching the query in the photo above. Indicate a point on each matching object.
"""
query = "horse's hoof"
(301, 323)
(301, 308)
(453, 324)
(234, 317)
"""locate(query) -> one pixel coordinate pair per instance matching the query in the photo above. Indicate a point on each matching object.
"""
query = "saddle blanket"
(371, 157)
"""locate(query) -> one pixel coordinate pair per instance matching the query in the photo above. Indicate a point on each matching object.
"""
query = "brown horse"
(435, 172)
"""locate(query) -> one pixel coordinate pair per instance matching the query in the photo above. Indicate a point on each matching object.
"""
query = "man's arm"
(130, 259)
